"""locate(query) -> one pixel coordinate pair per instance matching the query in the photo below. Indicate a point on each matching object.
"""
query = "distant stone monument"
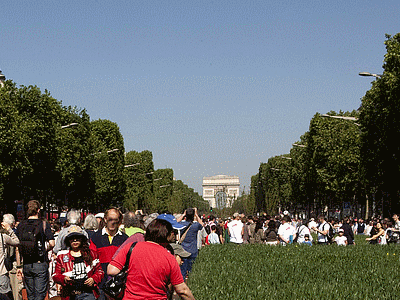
(221, 190)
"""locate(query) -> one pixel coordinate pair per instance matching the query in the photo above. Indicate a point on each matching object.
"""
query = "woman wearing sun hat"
(78, 269)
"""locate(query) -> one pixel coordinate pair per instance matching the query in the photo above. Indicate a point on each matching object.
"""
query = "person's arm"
(198, 219)
(112, 270)
(10, 239)
(376, 235)
(183, 291)
(61, 236)
(323, 232)
(181, 217)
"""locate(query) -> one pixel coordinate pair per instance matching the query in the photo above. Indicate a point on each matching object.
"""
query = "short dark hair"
(158, 231)
(286, 219)
(33, 207)
(190, 215)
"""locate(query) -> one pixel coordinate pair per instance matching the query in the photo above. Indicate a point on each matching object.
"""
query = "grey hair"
(90, 223)
(73, 217)
(129, 219)
(9, 219)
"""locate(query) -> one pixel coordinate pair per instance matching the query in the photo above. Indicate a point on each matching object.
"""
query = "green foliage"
(28, 128)
(380, 130)
(296, 272)
(139, 180)
(108, 167)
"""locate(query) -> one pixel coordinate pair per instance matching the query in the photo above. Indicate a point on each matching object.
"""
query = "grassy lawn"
(297, 272)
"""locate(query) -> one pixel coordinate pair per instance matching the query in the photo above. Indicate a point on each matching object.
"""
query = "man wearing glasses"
(106, 241)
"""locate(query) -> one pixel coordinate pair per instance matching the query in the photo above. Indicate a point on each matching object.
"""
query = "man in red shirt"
(151, 266)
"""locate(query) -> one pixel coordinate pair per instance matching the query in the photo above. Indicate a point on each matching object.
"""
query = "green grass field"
(297, 272)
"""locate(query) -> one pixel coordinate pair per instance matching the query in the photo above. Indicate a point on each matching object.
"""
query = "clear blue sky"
(210, 87)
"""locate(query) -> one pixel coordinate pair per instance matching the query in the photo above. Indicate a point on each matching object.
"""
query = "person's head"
(33, 208)
(306, 237)
(179, 253)
(213, 228)
(75, 238)
(271, 225)
(360, 220)
(73, 217)
(128, 219)
(113, 218)
(286, 219)
(65, 208)
(90, 222)
(341, 232)
(9, 219)
(236, 216)
(378, 225)
(395, 217)
(321, 219)
(159, 231)
(189, 215)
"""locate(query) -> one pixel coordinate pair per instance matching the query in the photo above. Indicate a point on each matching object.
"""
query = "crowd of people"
(72, 257)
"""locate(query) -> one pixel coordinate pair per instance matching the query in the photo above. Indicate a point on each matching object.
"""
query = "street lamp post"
(367, 74)
(69, 125)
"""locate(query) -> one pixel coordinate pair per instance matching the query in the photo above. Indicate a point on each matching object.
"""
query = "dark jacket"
(348, 233)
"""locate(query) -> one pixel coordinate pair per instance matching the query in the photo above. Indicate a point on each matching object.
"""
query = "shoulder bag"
(7, 259)
(115, 286)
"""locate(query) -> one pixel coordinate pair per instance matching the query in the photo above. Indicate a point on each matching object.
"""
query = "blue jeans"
(84, 296)
(36, 280)
(187, 265)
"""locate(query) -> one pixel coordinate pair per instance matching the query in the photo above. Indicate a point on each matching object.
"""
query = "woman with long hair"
(271, 234)
(377, 233)
(78, 269)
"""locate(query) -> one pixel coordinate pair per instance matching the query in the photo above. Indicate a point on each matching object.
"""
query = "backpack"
(31, 239)
(298, 233)
(330, 234)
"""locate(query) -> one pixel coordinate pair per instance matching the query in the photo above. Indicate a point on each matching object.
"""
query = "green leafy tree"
(74, 158)
(380, 132)
(108, 164)
(139, 180)
(28, 145)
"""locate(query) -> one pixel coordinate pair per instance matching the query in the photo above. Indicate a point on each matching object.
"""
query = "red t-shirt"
(151, 269)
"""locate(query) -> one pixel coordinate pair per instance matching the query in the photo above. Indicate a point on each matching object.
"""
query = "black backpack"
(31, 239)
(330, 233)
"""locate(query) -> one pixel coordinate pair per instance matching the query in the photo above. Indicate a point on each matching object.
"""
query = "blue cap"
(171, 219)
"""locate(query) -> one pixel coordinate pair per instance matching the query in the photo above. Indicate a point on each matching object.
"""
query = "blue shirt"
(190, 241)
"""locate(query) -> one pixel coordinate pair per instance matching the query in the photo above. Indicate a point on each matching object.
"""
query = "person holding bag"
(151, 267)
(8, 238)
(78, 269)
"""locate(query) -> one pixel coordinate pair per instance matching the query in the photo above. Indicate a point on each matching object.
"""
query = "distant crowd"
(72, 259)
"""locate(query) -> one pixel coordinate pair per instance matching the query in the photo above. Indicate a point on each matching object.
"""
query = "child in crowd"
(341, 240)
(213, 238)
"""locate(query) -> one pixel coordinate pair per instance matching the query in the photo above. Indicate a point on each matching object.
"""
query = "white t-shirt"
(286, 230)
(312, 224)
(340, 240)
(302, 231)
(322, 227)
(235, 231)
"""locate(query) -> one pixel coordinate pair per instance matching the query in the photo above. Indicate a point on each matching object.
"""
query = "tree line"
(349, 164)
(56, 154)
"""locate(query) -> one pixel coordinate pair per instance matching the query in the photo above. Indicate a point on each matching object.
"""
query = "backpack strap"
(184, 234)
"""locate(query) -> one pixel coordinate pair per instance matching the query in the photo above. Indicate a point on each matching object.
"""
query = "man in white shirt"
(286, 232)
(322, 230)
(236, 229)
